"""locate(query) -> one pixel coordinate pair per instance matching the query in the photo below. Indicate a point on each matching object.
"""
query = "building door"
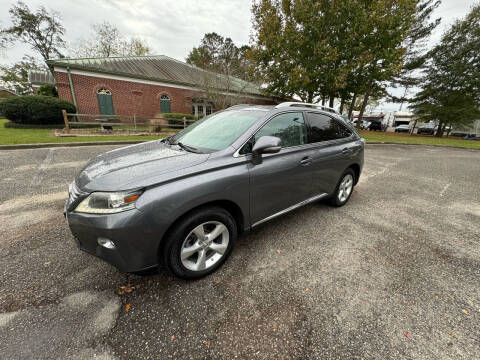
(105, 104)
(165, 104)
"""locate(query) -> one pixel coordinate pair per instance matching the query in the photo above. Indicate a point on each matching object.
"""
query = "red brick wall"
(128, 97)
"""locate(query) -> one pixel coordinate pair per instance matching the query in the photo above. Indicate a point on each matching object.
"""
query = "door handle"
(306, 160)
(346, 151)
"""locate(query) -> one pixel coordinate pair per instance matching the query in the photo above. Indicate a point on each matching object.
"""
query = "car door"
(331, 151)
(282, 179)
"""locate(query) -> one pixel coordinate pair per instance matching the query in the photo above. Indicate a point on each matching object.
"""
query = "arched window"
(105, 103)
(165, 104)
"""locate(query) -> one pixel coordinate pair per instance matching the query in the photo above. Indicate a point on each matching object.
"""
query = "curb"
(424, 145)
(72, 144)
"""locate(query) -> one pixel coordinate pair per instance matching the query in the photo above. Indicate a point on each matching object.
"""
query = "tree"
(451, 84)
(42, 30)
(417, 48)
(15, 77)
(323, 49)
(47, 90)
(106, 40)
(222, 56)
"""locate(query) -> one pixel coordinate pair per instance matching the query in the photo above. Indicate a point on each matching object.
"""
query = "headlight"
(108, 203)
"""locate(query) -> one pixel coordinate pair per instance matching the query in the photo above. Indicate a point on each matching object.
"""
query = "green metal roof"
(160, 68)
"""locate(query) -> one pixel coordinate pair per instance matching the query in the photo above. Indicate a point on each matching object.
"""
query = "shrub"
(47, 90)
(35, 109)
(177, 118)
(72, 125)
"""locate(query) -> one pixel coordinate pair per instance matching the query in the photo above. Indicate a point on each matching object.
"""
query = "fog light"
(106, 243)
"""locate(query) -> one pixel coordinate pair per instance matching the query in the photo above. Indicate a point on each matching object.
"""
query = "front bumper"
(136, 245)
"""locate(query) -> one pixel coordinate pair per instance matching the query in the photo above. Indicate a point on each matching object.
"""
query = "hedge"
(177, 118)
(12, 125)
(35, 109)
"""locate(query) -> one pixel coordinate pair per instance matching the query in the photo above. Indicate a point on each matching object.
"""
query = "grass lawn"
(379, 136)
(9, 136)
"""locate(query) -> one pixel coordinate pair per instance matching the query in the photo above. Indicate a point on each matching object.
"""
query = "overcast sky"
(172, 27)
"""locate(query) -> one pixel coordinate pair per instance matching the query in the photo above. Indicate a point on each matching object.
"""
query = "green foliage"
(314, 48)
(47, 90)
(15, 77)
(451, 84)
(222, 56)
(41, 30)
(14, 125)
(177, 118)
(35, 109)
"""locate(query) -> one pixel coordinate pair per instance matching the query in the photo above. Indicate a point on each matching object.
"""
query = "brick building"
(148, 85)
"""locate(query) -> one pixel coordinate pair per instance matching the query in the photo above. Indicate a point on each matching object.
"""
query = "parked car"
(427, 129)
(402, 128)
(470, 137)
(376, 126)
(183, 201)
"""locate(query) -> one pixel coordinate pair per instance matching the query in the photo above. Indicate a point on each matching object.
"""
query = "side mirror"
(265, 145)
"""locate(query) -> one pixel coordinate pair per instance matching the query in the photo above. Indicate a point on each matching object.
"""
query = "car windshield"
(218, 130)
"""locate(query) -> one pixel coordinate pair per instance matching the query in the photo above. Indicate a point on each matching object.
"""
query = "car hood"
(135, 166)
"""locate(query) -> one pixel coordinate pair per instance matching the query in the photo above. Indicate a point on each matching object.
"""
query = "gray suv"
(182, 201)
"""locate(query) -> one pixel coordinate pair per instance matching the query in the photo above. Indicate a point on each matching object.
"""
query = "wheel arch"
(356, 169)
(229, 205)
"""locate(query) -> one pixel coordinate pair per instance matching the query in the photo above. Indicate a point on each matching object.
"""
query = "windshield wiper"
(187, 147)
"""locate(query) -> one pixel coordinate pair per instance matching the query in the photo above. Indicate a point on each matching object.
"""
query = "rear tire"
(200, 243)
(344, 189)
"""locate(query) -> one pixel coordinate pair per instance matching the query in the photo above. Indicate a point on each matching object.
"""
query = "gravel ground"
(393, 274)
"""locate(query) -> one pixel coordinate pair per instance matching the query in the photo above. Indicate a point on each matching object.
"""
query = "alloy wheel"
(345, 188)
(204, 246)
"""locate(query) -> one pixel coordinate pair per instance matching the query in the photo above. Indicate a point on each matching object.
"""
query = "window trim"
(237, 152)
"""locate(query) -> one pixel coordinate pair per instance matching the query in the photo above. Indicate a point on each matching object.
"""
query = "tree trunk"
(342, 104)
(364, 105)
(332, 100)
(440, 129)
(352, 105)
(323, 100)
(310, 97)
(413, 128)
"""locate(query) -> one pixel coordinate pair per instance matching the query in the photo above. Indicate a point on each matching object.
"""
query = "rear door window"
(324, 128)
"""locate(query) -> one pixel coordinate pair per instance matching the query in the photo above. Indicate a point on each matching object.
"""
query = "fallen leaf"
(407, 335)
(172, 337)
(46, 263)
(274, 325)
(125, 289)
(307, 289)
(453, 334)
(416, 236)
(409, 303)
(278, 251)
(207, 343)
(465, 311)
(127, 307)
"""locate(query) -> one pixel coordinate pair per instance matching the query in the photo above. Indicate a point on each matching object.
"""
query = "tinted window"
(324, 128)
(290, 127)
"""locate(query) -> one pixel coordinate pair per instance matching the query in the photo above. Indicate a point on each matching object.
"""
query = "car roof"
(289, 106)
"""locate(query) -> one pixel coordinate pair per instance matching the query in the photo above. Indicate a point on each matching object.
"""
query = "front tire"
(344, 189)
(200, 243)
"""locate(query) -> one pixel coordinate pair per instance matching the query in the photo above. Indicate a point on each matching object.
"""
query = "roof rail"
(315, 106)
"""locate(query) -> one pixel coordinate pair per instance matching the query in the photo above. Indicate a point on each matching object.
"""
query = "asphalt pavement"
(394, 274)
